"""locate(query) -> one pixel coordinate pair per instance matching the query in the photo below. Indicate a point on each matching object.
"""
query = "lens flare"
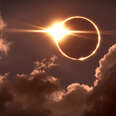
(59, 31)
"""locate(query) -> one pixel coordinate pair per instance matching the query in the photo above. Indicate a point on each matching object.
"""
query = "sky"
(37, 80)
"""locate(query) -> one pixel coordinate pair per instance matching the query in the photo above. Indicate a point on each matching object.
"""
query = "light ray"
(43, 30)
(57, 31)
(25, 31)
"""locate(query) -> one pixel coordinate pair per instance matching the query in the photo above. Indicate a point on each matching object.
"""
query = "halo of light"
(98, 43)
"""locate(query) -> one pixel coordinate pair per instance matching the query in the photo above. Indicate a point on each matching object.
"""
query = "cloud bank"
(39, 94)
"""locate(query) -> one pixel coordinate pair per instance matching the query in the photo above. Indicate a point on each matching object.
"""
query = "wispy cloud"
(4, 45)
(2, 23)
(44, 64)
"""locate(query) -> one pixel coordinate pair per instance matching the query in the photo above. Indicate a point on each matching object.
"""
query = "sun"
(58, 31)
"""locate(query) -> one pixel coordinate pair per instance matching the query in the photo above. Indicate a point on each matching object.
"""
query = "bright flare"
(58, 31)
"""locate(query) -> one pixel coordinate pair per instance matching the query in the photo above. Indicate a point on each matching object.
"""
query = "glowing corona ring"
(58, 31)
(98, 43)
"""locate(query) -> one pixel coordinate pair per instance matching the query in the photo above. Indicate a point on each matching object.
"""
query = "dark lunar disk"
(81, 44)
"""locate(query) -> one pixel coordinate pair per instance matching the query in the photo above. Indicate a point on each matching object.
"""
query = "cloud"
(2, 23)
(3, 77)
(4, 45)
(102, 101)
(72, 102)
(99, 100)
(41, 94)
(106, 63)
(44, 65)
(27, 95)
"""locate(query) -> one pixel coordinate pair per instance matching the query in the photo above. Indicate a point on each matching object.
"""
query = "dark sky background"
(70, 88)
(30, 47)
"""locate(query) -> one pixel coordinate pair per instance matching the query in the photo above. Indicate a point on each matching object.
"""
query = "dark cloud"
(73, 101)
(40, 94)
(102, 101)
(99, 100)
(27, 95)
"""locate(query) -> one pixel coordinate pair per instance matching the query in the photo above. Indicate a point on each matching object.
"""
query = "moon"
(85, 41)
